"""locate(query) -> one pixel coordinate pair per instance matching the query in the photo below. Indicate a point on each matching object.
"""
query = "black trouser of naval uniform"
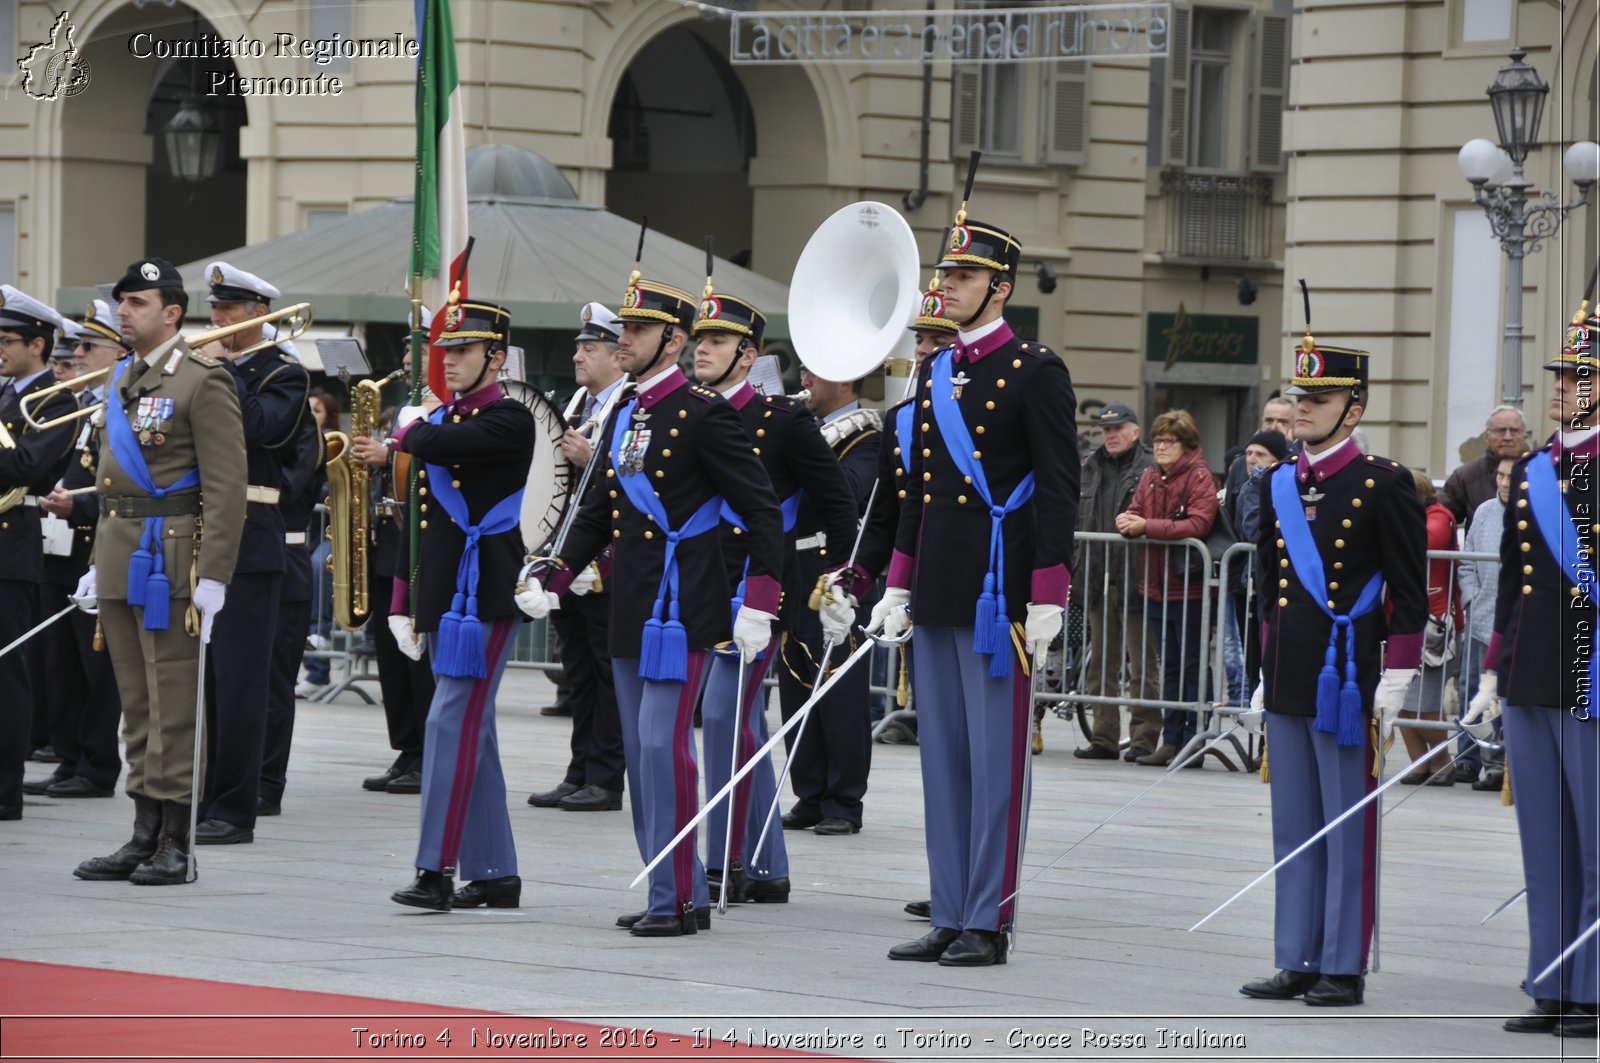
(583, 624)
(406, 685)
(86, 710)
(238, 661)
(288, 650)
(829, 769)
(19, 607)
(59, 687)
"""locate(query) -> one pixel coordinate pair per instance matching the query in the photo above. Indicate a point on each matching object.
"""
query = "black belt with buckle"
(137, 506)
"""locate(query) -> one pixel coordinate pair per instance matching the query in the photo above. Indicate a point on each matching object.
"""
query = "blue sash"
(791, 513)
(148, 586)
(991, 632)
(1554, 521)
(664, 646)
(459, 648)
(1338, 707)
(902, 434)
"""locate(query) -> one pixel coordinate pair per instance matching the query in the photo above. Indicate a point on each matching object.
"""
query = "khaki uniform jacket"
(204, 428)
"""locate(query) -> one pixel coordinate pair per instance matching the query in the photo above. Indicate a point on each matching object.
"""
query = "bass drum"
(545, 498)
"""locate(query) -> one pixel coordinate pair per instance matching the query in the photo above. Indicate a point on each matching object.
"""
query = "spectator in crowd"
(1265, 449)
(1434, 688)
(1505, 435)
(1176, 499)
(325, 408)
(1484, 769)
(1110, 474)
(1277, 415)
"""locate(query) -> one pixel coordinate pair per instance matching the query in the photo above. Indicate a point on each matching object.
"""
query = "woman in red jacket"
(1176, 499)
(1425, 700)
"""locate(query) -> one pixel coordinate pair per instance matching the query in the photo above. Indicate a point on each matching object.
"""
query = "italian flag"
(439, 228)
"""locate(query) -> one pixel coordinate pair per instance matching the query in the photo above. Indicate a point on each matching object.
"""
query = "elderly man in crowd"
(1505, 435)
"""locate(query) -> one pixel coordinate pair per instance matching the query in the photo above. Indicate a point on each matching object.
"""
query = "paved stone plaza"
(1104, 943)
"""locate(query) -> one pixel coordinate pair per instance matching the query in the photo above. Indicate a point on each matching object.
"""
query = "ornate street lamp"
(193, 141)
(1499, 187)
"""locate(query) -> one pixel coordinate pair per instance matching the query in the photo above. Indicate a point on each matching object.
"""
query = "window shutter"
(1176, 108)
(966, 111)
(1268, 92)
(1066, 113)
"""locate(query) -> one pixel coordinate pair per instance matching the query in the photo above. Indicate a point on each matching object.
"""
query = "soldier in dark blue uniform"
(981, 557)
(802, 469)
(304, 477)
(1338, 528)
(28, 468)
(1546, 671)
(85, 735)
(272, 399)
(476, 450)
(678, 453)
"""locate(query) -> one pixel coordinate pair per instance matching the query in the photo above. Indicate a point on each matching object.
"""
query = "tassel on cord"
(1327, 721)
(1000, 659)
(139, 565)
(673, 664)
(1352, 721)
(650, 649)
(902, 690)
(157, 602)
(1505, 785)
(983, 639)
(1266, 776)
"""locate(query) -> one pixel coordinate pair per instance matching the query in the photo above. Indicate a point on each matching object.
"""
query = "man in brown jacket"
(172, 501)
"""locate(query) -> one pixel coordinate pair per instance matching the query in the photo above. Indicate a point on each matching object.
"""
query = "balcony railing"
(1216, 217)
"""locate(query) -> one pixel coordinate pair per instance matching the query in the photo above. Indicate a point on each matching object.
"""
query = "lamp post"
(1519, 214)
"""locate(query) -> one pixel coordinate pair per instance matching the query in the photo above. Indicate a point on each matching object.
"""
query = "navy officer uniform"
(303, 480)
(29, 468)
(1338, 528)
(87, 711)
(802, 469)
(1546, 670)
(272, 388)
(984, 543)
(476, 452)
(677, 453)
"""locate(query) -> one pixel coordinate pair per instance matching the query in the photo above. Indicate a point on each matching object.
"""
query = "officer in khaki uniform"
(172, 425)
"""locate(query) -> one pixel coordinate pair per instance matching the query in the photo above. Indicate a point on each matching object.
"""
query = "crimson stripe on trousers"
(467, 747)
(688, 796)
(1021, 719)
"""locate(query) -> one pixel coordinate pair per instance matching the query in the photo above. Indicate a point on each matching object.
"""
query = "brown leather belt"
(140, 506)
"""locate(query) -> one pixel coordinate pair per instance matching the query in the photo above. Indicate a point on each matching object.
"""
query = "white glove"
(1258, 697)
(892, 615)
(533, 599)
(409, 414)
(1390, 698)
(837, 611)
(584, 583)
(84, 597)
(752, 631)
(1252, 719)
(208, 598)
(405, 636)
(1041, 628)
(1481, 714)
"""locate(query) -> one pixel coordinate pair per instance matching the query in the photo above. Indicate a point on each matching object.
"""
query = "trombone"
(294, 322)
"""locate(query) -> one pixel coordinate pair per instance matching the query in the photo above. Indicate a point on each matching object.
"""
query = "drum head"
(544, 500)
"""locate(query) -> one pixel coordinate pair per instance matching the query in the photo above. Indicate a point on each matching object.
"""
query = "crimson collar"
(664, 385)
(1342, 455)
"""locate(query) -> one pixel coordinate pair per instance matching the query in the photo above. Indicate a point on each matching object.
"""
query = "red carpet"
(54, 1011)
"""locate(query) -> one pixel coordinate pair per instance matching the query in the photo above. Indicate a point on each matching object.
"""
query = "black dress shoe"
(738, 885)
(44, 755)
(407, 782)
(702, 919)
(10, 812)
(836, 825)
(920, 909)
(1133, 753)
(1493, 779)
(40, 787)
(378, 782)
(592, 798)
(796, 820)
(552, 798)
(1579, 1021)
(1095, 753)
(927, 948)
(1285, 985)
(78, 786)
(1466, 772)
(975, 948)
(505, 892)
(1541, 1018)
(665, 926)
(221, 832)
(1336, 991)
(268, 808)
(430, 890)
(560, 708)
(769, 890)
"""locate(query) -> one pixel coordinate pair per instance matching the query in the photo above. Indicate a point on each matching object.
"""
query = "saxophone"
(350, 509)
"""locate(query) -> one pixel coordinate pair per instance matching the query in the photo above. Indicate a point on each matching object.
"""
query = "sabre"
(191, 872)
(598, 419)
(733, 765)
(25, 636)
(1309, 842)
(750, 765)
(1026, 797)
(1567, 952)
(1508, 902)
